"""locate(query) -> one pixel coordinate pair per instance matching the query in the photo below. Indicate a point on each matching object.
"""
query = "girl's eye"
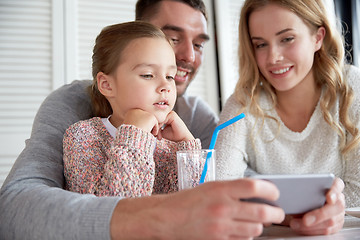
(147, 76)
(170, 78)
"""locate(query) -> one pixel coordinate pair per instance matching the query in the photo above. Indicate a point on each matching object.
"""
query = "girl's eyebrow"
(141, 65)
(151, 65)
(276, 34)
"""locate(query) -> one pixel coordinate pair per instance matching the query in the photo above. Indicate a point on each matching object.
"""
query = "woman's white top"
(314, 150)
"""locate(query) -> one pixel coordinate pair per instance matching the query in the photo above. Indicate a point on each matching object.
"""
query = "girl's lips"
(162, 104)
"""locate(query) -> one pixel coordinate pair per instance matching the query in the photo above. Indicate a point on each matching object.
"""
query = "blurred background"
(45, 44)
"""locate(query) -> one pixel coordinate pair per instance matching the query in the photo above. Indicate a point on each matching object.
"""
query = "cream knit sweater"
(314, 150)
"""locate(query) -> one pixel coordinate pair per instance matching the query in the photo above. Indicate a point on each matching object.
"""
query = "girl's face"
(284, 46)
(144, 79)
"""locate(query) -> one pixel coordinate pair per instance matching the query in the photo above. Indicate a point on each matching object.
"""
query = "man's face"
(187, 29)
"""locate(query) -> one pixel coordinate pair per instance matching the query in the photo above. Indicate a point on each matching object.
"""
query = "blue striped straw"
(213, 141)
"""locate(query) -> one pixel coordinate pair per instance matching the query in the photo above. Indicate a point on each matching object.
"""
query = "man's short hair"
(145, 9)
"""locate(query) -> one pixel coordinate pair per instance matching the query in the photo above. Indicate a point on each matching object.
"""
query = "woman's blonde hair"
(107, 52)
(328, 68)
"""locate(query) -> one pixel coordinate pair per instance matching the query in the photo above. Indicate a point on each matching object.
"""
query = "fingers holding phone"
(327, 219)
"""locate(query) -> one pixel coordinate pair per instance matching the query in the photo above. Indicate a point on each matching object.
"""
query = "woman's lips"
(280, 71)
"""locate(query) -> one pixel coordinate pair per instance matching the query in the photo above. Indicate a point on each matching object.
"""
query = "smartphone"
(298, 193)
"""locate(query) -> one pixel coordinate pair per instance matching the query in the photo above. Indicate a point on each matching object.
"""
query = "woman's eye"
(260, 45)
(288, 39)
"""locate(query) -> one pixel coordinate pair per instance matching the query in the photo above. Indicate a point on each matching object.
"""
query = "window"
(26, 72)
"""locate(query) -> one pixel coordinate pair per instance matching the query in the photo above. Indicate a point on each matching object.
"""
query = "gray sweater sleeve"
(33, 202)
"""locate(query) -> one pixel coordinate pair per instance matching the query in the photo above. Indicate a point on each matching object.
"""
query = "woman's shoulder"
(232, 108)
(231, 105)
(352, 75)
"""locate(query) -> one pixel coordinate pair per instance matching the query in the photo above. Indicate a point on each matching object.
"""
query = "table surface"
(351, 230)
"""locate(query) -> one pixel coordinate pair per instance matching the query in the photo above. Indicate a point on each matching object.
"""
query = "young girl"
(129, 149)
(302, 104)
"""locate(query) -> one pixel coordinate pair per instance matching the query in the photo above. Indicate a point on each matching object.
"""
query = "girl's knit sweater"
(133, 164)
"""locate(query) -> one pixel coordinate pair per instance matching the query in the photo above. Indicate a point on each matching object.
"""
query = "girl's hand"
(142, 119)
(326, 220)
(175, 129)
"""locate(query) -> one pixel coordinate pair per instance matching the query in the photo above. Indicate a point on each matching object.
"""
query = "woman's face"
(284, 46)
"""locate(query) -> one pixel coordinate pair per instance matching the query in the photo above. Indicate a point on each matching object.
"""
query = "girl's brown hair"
(328, 68)
(107, 51)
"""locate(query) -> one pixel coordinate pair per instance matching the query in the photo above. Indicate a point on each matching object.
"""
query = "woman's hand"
(175, 129)
(326, 220)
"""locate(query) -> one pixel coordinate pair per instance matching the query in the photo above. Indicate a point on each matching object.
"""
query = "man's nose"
(185, 52)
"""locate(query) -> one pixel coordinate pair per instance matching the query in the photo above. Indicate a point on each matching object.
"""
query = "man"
(185, 24)
(34, 204)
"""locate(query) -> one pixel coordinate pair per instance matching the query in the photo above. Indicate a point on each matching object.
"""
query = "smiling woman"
(301, 101)
(279, 49)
